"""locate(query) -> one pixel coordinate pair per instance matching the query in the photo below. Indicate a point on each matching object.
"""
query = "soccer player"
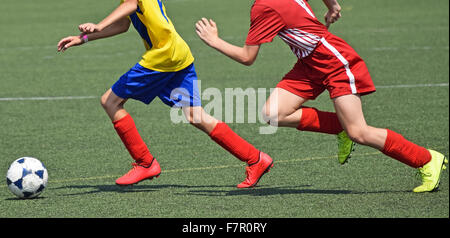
(325, 61)
(165, 71)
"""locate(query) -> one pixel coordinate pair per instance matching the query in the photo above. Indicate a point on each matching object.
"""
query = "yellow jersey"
(166, 51)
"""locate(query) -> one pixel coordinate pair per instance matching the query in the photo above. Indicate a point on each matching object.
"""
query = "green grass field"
(405, 44)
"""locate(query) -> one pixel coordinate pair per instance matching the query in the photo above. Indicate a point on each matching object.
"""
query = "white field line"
(138, 52)
(95, 97)
(409, 48)
(414, 85)
(48, 98)
(190, 39)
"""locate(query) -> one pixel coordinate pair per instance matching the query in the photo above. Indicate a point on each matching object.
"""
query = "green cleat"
(345, 147)
(431, 173)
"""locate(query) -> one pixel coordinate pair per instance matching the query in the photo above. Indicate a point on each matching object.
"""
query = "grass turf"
(401, 43)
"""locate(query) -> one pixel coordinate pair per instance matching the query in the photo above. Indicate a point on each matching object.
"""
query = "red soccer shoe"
(255, 171)
(139, 173)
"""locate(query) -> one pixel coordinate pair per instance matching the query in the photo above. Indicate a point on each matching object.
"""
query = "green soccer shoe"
(345, 147)
(430, 173)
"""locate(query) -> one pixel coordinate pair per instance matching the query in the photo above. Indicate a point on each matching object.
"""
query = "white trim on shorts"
(341, 58)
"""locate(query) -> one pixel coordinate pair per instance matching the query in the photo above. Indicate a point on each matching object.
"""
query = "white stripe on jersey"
(301, 42)
(303, 4)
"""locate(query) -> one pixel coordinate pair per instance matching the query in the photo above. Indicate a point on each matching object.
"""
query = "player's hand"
(332, 15)
(68, 42)
(89, 28)
(207, 31)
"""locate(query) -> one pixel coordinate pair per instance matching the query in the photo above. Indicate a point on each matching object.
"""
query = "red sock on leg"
(233, 143)
(126, 129)
(397, 147)
(319, 121)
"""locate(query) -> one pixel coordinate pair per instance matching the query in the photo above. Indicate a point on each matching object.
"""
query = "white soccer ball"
(27, 177)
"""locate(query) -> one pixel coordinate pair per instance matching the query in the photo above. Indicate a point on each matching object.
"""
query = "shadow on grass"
(24, 199)
(126, 189)
(267, 191)
(208, 190)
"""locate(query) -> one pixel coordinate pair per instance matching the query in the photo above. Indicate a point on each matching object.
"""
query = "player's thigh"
(141, 84)
(282, 103)
(349, 111)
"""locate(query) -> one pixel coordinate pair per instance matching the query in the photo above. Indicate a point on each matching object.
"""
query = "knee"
(268, 116)
(109, 102)
(358, 135)
(104, 100)
(274, 118)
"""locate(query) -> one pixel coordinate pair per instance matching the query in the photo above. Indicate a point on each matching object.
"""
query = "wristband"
(85, 38)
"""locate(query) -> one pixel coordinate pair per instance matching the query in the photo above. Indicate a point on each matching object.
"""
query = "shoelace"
(341, 143)
(247, 173)
(135, 165)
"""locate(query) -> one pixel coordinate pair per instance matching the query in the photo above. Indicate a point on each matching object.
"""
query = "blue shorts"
(179, 89)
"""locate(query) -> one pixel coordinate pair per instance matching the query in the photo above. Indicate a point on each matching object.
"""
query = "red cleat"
(139, 173)
(255, 171)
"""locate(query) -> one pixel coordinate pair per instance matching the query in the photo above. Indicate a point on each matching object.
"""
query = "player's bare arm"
(208, 32)
(123, 10)
(118, 27)
(115, 23)
(334, 12)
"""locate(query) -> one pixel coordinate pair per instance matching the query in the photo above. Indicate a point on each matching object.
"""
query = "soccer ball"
(27, 177)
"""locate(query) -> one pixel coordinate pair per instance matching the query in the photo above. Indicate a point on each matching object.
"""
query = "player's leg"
(222, 134)
(126, 128)
(197, 117)
(258, 162)
(113, 105)
(349, 111)
(146, 166)
(141, 84)
(182, 92)
(285, 109)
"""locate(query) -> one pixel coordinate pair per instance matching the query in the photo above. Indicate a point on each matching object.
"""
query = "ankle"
(254, 161)
(146, 163)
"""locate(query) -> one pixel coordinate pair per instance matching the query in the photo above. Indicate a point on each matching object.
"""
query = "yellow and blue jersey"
(166, 51)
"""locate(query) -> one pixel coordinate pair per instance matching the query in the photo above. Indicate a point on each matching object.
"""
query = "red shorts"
(334, 66)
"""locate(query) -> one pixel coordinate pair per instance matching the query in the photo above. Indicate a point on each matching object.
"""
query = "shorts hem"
(362, 93)
(117, 93)
(294, 91)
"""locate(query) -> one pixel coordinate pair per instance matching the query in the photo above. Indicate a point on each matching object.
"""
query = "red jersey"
(325, 60)
(292, 20)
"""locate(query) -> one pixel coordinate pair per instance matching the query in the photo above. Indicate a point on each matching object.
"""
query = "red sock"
(233, 143)
(137, 148)
(397, 147)
(319, 121)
